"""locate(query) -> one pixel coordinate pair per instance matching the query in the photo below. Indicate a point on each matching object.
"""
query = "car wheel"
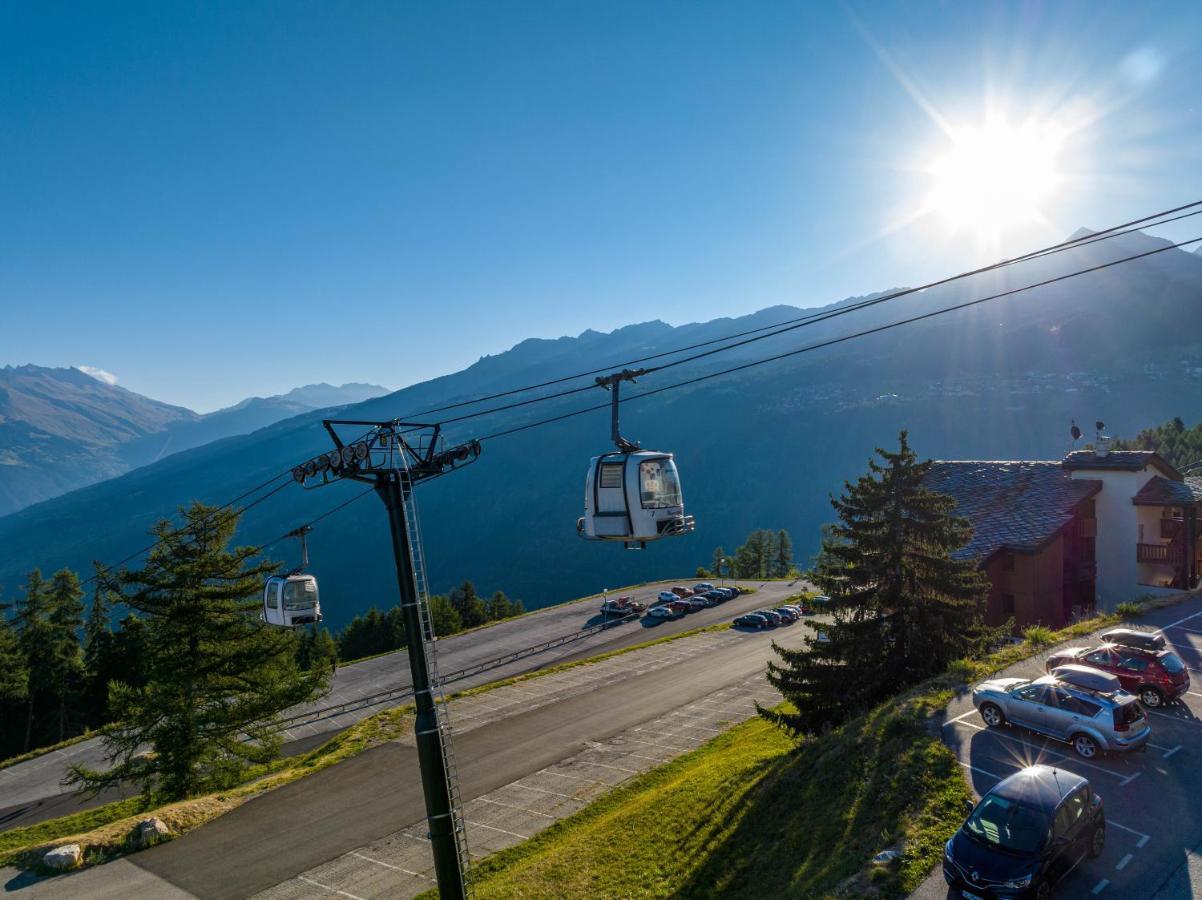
(1151, 698)
(1043, 891)
(1086, 747)
(1097, 841)
(992, 715)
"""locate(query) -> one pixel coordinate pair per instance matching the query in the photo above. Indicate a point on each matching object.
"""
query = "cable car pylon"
(393, 459)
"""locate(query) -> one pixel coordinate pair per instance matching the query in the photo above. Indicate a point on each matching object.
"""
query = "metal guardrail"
(399, 693)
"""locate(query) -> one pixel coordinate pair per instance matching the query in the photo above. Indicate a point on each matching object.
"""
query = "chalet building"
(1064, 538)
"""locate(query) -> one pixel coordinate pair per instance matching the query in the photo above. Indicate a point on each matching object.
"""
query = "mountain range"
(761, 447)
(62, 429)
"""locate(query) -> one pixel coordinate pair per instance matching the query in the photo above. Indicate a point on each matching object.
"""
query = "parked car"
(1026, 835)
(1085, 708)
(681, 592)
(717, 596)
(730, 592)
(679, 607)
(1157, 677)
(1131, 637)
(752, 620)
(621, 606)
(708, 599)
(666, 597)
(661, 612)
(771, 615)
(696, 604)
(787, 615)
(821, 600)
(702, 587)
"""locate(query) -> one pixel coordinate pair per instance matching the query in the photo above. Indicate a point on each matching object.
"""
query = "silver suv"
(1081, 706)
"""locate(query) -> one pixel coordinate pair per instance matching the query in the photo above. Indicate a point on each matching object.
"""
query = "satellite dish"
(1075, 432)
(1100, 425)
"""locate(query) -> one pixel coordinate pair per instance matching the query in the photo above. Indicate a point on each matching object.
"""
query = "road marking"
(1174, 718)
(615, 768)
(1122, 864)
(982, 771)
(530, 787)
(1123, 779)
(1171, 752)
(959, 718)
(1130, 778)
(1100, 886)
(495, 828)
(326, 887)
(380, 862)
(1143, 838)
(1179, 621)
(1194, 694)
(532, 812)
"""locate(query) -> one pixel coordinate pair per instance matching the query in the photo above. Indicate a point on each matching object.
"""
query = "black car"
(717, 596)
(1026, 835)
(752, 620)
(773, 617)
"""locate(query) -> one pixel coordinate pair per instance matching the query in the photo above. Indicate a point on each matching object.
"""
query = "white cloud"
(98, 374)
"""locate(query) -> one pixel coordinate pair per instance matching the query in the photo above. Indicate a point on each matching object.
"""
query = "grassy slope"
(754, 814)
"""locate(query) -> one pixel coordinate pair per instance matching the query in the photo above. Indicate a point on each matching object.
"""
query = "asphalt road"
(1154, 834)
(33, 791)
(288, 831)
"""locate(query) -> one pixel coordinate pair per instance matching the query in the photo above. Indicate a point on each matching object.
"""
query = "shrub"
(1129, 608)
(1038, 635)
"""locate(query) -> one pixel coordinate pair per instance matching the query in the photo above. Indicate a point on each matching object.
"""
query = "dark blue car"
(1026, 835)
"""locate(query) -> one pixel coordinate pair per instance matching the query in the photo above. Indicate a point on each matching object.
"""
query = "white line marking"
(326, 887)
(982, 771)
(1100, 886)
(1179, 621)
(380, 862)
(959, 718)
(1122, 864)
(1130, 778)
(532, 812)
(1048, 750)
(495, 828)
(1143, 837)
(1194, 694)
(1171, 752)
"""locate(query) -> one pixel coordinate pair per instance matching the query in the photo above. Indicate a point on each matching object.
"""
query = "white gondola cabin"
(291, 600)
(633, 497)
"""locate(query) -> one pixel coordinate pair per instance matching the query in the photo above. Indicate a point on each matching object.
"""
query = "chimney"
(1101, 446)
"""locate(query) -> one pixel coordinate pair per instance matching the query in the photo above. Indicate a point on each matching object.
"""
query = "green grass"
(756, 814)
(40, 751)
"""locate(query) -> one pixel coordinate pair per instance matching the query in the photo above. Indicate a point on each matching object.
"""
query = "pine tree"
(14, 683)
(33, 629)
(468, 605)
(323, 652)
(64, 620)
(501, 607)
(443, 616)
(903, 608)
(720, 562)
(784, 554)
(218, 676)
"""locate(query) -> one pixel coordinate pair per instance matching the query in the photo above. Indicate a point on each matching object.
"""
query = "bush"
(702, 572)
(1039, 636)
(1129, 608)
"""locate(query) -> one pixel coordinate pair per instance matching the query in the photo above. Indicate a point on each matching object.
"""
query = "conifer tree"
(501, 607)
(784, 554)
(468, 605)
(14, 684)
(720, 562)
(33, 629)
(903, 608)
(217, 676)
(64, 620)
(443, 616)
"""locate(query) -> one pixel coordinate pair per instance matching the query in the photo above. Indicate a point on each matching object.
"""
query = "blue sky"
(214, 200)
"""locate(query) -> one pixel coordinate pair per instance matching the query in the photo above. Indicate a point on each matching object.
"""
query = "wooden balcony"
(1166, 554)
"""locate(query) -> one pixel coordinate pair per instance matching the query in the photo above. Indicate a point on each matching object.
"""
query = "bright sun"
(996, 176)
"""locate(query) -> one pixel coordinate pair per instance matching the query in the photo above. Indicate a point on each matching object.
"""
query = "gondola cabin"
(291, 600)
(633, 497)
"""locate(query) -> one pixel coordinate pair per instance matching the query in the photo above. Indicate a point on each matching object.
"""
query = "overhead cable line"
(842, 339)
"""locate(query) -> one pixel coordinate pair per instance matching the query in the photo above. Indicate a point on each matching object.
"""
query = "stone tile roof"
(1166, 492)
(1017, 505)
(1125, 460)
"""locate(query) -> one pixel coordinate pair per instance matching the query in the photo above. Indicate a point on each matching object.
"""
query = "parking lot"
(1153, 813)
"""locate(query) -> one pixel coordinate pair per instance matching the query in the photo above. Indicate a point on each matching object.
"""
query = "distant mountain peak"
(1081, 233)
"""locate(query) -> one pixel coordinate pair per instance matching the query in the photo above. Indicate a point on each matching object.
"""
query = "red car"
(681, 592)
(1157, 677)
(679, 606)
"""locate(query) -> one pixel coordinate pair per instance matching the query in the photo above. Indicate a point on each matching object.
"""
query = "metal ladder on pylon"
(440, 700)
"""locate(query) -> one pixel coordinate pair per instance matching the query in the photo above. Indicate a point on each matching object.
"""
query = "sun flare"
(996, 176)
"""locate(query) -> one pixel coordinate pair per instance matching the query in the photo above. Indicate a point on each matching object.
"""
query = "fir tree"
(501, 607)
(784, 554)
(218, 677)
(468, 605)
(64, 620)
(443, 616)
(903, 608)
(33, 629)
(719, 563)
(14, 684)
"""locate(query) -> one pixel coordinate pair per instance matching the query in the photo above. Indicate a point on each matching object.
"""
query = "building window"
(1007, 605)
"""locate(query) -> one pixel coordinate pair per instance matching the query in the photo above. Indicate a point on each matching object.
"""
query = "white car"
(667, 597)
(660, 612)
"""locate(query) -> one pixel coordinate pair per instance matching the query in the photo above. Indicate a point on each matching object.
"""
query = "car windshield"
(1172, 663)
(1005, 824)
